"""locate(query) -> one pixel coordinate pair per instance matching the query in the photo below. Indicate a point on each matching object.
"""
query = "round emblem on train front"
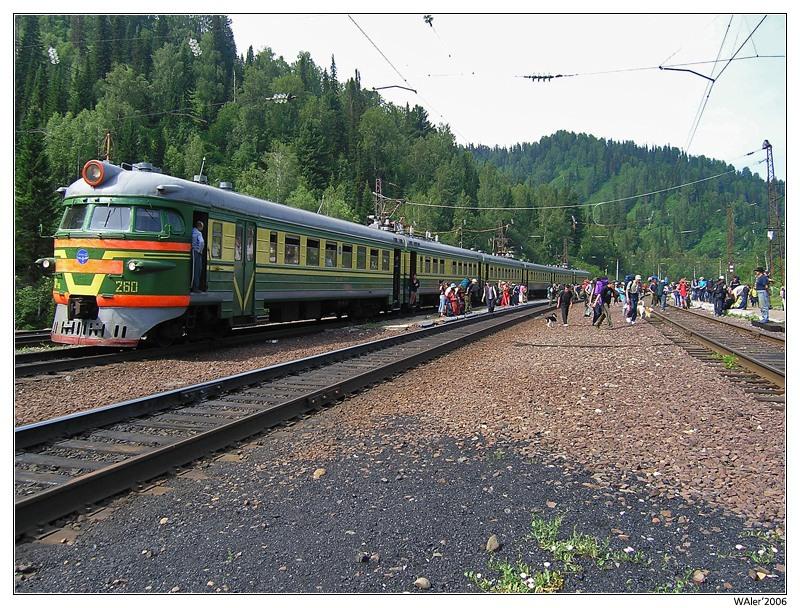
(82, 256)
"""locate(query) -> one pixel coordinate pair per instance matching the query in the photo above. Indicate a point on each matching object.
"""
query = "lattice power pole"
(107, 144)
(774, 224)
(500, 241)
(731, 265)
(378, 201)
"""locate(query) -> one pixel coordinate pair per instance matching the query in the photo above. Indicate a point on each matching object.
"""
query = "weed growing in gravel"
(765, 536)
(578, 545)
(763, 556)
(517, 578)
(680, 585)
(729, 361)
(497, 455)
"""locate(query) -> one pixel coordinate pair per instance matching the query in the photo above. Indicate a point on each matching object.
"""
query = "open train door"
(396, 284)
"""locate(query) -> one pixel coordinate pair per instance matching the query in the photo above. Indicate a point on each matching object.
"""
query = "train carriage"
(123, 265)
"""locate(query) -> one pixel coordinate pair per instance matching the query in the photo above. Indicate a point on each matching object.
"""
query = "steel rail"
(756, 331)
(763, 369)
(34, 336)
(71, 495)
(70, 358)
(80, 357)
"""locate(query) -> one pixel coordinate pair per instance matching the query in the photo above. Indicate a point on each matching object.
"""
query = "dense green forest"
(173, 90)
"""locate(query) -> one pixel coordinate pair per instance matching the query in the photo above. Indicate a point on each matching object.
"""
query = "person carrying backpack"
(632, 291)
(661, 292)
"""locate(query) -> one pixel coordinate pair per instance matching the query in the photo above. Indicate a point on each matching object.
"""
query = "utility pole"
(378, 201)
(107, 145)
(500, 241)
(565, 255)
(774, 228)
(731, 265)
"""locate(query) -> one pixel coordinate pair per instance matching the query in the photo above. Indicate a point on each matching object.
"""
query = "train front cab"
(119, 271)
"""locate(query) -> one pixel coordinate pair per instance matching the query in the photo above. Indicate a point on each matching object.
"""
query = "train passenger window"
(460, 268)
(373, 259)
(292, 255)
(330, 255)
(147, 220)
(312, 252)
(73, 217)
(237, 252)
(216, 240)
(361, 257)
(454, 271)
(427, 265)
(441, 266)
(175, 222)
(347, 256)
(250, 246)
(273, 247)
(435, 265)
(106, 217)
(385, 260)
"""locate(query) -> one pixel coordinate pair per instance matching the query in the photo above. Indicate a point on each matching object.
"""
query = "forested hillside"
(172, 90)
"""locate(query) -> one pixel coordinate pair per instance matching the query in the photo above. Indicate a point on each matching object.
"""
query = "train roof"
(122, 182)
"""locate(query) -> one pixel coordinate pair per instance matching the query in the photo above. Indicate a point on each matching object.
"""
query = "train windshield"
(108, 217)
(73, 217)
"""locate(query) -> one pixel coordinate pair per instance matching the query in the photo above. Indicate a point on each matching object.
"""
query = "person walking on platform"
(661, 292)
(632, 291)
(472, 290)
(653, 289)
(605, 296)
(489, 296)
(719, 293)
(565, 303)
(762, 289)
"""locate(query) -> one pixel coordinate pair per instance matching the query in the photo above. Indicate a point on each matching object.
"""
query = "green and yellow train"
(123, 263)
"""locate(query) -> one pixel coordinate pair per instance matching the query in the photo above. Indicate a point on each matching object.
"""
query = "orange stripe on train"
(124, 244)
(119, 300)
(89, 266)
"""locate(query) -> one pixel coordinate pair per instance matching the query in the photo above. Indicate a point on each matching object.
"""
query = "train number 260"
(126, 286)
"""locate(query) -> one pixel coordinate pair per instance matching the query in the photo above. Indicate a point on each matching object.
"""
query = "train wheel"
(167, 334)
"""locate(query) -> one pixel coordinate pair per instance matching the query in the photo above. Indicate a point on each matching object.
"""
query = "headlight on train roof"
(93, 173)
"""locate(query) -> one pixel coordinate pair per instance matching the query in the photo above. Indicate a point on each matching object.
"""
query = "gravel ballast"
(80, 390)
(620, 433)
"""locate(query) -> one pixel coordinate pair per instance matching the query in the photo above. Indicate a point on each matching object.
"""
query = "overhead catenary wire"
(707, 93)
(545, 207)
(403, 78)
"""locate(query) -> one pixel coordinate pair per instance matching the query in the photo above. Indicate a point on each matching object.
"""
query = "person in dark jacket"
(565, 303)
(661, 292)
(718, 295)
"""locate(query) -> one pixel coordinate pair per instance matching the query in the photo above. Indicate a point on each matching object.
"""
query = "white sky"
(464, 70)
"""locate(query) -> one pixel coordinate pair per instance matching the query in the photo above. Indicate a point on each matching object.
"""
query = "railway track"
(63, 464)
(80, 357)
(751, 357)
(25, 337)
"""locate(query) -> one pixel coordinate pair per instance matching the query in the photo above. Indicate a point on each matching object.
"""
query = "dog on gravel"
(644, 311)
(551, 320)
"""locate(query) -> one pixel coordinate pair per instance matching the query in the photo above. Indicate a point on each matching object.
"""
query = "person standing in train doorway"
(198, 245)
